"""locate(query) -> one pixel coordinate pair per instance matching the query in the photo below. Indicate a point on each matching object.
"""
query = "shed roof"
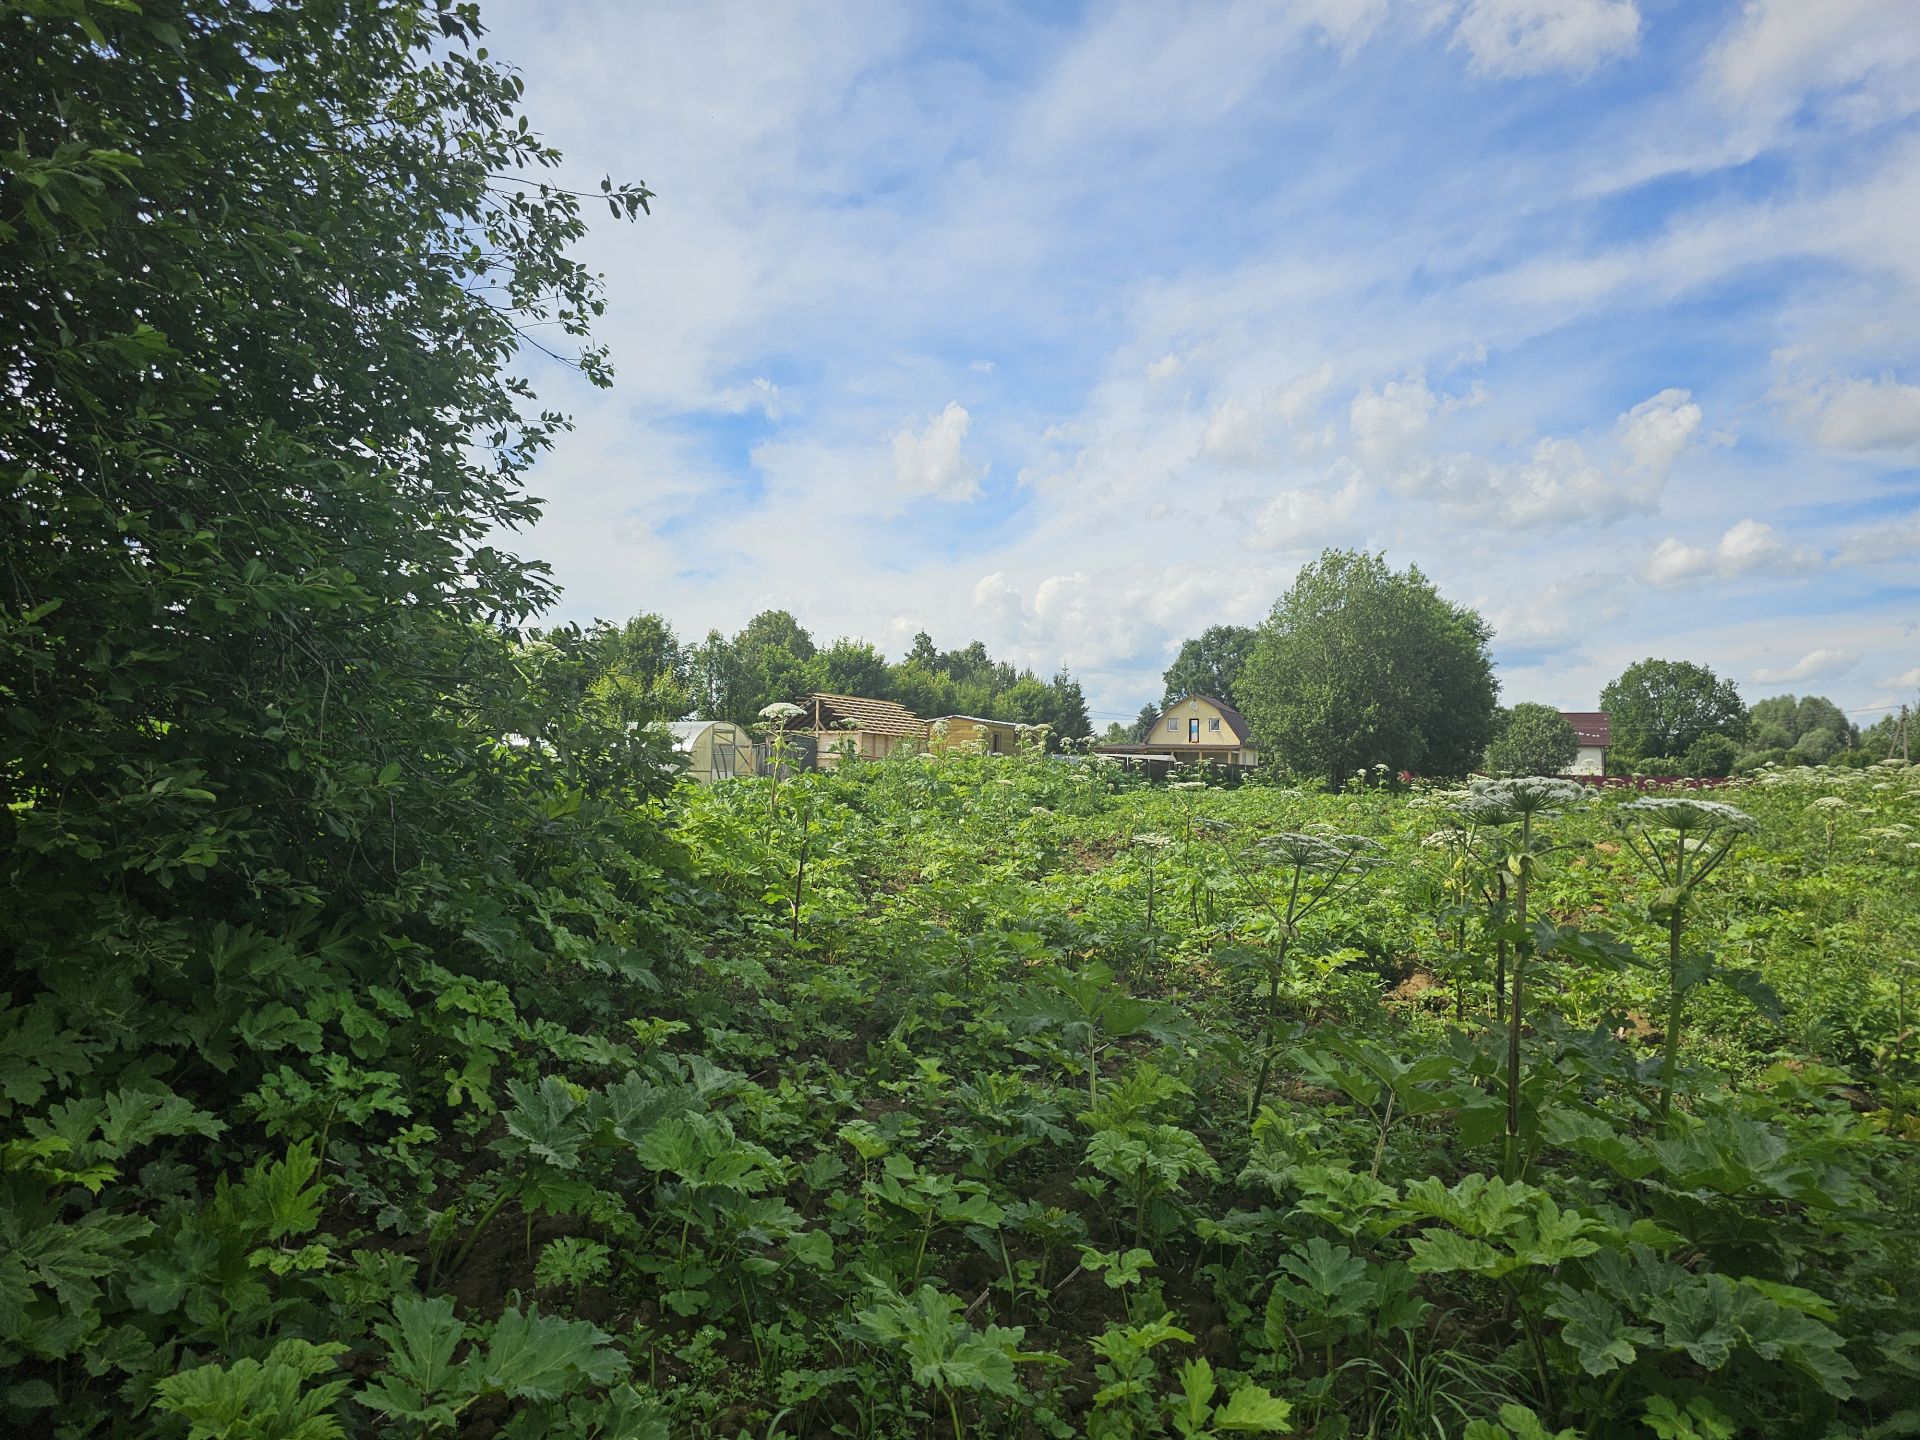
(983, 720)
(1590, 727)
(874, 717)
(1236, 722)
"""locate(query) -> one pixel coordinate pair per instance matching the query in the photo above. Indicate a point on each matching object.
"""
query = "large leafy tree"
(1210, 663)
(264, 272)
(1362, 665)
(1533, 740)
(1661, 707)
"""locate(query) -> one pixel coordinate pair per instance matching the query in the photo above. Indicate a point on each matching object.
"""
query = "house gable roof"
(856, 712)
(1590, 727)
(1236, 722)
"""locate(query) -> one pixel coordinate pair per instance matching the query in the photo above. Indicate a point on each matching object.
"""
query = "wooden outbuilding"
(974, 732)
(853, 727)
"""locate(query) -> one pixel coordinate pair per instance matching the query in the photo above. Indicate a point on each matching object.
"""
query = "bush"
(1710, 755)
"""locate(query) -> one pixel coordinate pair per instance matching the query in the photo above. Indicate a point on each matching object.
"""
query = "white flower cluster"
(1675, 812)
(1318, 852)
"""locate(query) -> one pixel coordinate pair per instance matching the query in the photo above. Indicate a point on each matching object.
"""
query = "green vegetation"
(1532, 740)
(1210, 664)
(391, 1045)
(1361, 666)
(643, 670)
(1672, 717)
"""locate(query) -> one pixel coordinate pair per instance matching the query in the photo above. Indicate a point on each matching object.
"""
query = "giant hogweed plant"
(1682, 842)
(1293, 876)
(1518, 807)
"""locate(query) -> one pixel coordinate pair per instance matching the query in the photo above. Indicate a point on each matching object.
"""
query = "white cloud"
(1674, 563)
(1390, 425)
(1162, 368)
(1655, 432)
(1814, 665)
(1749, 547)
(1878, 414)
(1855, 57)
(981, 367)
(1907, 680)
(1896, 539)
(1531, 37)
(1243, 431)
(1306, 517)
(1559, 485)
(1564, 613)
(931, 462)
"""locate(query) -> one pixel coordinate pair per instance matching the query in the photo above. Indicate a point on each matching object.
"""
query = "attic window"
(1213, 724)
(1173, 727)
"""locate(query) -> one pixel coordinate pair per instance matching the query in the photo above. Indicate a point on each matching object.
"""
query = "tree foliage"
(1660, 707)
(774, 658)
(1210, 664)
(1361, 665)
(1533, 740)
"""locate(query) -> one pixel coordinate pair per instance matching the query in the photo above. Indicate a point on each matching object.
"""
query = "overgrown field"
(1006, 1097)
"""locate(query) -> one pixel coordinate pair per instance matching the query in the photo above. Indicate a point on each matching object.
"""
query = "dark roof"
(1590, 727)
(854, 712)
(1236, 722)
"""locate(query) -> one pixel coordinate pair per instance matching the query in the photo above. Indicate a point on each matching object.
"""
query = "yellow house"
(971, 732)
(1192, 729)
(852, 726)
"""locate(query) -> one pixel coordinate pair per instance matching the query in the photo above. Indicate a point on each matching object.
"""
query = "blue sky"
(1076, 329)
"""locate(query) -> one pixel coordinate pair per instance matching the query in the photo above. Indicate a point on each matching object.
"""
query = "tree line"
(640, 671)
(1359, 666)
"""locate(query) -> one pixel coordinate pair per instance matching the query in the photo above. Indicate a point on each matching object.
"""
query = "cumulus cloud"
(931, 462)
(1655, 432)
(1561, 481)
(1814, 665)
(1531, 37)
(1906, 680)
(1749, 547)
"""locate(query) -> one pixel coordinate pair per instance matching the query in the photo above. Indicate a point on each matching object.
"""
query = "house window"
(1214, 726)
(1173, 727)
(1193, 731)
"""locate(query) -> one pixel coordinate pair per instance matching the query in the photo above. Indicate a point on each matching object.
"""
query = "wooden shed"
(714, 749)
(975, 733)
(856, 727)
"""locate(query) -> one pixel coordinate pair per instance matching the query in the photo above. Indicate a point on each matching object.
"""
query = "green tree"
(263, 273)
(1141, 731)
(852, 667)
(1533, 740)
(1807, 730)
(637, 672)
(1210, 664)
(1361, 665)
(1660, 707)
